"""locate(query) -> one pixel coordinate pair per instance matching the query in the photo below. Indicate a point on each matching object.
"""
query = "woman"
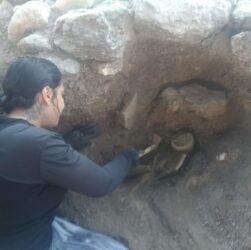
(37, 166)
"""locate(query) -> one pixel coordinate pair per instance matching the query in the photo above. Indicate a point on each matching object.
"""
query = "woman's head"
(32, 85)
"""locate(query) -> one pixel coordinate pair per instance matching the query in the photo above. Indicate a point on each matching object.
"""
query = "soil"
(207, 206)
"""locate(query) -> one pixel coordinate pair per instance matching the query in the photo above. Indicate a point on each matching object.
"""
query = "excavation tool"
(156, 141)
(142, 168)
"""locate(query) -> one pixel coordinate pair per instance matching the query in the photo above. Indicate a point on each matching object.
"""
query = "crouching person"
(38, 166)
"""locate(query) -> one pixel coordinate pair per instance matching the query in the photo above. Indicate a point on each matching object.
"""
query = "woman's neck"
(24, 115)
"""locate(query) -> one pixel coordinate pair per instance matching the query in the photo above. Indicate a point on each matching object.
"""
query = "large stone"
(6, 10)
(242, 15)
(203, 102)
(28, 17)
(100, 33)
(241, 48)
(34, 43)
(184, 21)
(191, 106)
(66, 5)
(67, 66)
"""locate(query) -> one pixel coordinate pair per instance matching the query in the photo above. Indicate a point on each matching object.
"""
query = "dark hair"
(26, 77)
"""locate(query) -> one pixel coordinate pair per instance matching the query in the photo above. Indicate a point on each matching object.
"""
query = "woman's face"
(59, 98)
(54, 107)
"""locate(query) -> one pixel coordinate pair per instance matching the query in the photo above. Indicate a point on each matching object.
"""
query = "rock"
(172, 99)
(66, 5)
(98, 34)
(6, 10)
(66, 66)
(28, 17)
(3, 69)
(191, 106)
(127, 116)
(185, 21)
(241, 48)
(108, 69)
(198, 99)
(241, 17)
(34, 43)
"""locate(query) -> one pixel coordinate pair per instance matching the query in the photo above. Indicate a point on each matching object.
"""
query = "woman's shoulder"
(43, 135)
(21, 133)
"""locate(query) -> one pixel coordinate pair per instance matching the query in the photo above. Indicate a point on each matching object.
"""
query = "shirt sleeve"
(63, 166)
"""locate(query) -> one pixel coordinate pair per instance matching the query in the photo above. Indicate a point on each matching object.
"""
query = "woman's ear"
(46, 94)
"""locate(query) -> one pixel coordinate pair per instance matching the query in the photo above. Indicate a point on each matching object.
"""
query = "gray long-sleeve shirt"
(36, 169)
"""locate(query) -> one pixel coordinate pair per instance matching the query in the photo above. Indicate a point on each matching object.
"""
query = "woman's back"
(27, 203)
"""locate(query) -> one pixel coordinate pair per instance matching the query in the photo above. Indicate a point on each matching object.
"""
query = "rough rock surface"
(192, 106)
(242, 15)
(6, 10)
(100, 34)
(34, 43)
(184, 21)
(66, 5)
(28, 17)
(66, 66)
(241, 48)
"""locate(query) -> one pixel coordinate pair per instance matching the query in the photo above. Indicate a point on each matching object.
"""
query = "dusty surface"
(207, 206)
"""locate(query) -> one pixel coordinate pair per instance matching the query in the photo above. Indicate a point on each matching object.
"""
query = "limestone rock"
(34, 43)
(6, 10)
(26, 18)
(185, 21)
(66, 5)
(203, 102)
(100, 33)
(241, 48)
(127, 116)
(193, 106)
(68, 67)
(242, 15)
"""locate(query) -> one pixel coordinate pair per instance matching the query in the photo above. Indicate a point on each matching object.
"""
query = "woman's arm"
(61, 165)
